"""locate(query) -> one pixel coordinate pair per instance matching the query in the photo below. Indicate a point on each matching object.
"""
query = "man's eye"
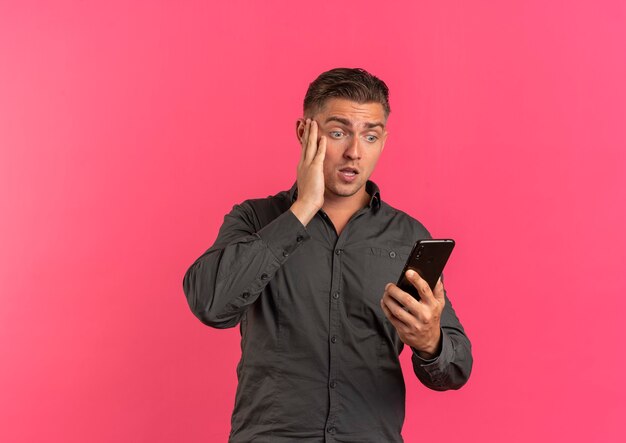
(336, 134)
(371, 138)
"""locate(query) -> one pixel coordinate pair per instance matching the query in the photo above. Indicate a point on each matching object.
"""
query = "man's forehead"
(351, 112)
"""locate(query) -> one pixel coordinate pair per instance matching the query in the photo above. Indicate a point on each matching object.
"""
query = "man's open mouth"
(349, 171)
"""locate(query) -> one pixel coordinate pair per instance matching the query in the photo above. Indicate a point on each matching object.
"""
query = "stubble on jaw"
(336, 194)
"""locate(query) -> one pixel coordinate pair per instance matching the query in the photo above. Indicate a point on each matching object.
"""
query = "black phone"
(428, 258)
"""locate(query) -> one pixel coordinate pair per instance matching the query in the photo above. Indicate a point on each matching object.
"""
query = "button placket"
(334, 334)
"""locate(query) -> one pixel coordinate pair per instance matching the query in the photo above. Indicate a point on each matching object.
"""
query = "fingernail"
(410, 273)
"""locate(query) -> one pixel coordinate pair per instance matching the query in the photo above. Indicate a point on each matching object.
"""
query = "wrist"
(431, 352)
(304, 211)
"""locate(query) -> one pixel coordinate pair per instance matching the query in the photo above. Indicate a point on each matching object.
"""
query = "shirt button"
(392, 254)
(339, 251)
(333, 384)
(299, 239)
(285, 254)
(264, 277)
(331, 430)
(336, 295)
(245, 295)
(333, 339)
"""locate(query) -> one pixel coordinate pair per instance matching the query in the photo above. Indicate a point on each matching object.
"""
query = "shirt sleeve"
(229, 277)
(452, 367)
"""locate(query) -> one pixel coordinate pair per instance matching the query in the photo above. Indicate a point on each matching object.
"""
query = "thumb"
(421, 285)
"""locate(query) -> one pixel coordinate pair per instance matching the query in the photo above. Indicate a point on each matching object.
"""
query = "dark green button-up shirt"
(319, 359)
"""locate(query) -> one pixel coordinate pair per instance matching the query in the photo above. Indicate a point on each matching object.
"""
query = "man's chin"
(345, 190)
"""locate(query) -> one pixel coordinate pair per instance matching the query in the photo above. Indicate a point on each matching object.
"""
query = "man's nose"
(353, 150)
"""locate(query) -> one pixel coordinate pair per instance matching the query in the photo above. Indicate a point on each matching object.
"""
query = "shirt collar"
(371, 188)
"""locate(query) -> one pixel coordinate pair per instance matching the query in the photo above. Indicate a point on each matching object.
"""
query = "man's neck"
(341, 209)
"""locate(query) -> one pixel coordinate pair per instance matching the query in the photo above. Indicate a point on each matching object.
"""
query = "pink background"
(129, 128)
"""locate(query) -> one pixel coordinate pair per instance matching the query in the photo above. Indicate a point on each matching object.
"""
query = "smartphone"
(428, 258)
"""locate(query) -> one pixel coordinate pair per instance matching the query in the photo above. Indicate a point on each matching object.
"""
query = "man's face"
(356, 135)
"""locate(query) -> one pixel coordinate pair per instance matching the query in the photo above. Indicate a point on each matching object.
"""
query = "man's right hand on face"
(310, 174)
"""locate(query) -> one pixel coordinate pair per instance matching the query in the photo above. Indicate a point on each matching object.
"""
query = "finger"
(439, 292)
(397, 323)
(311, 147)
(398, 309)
(426, 295)
(307, 131)
(395, 309)
(303, 140)
(303, 137)
(321, 150)
(403, 298)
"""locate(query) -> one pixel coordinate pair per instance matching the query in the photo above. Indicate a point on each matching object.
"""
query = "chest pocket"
(366, 272)
(385, 264)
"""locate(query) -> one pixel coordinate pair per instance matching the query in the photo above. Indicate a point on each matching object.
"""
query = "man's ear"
(300, 123)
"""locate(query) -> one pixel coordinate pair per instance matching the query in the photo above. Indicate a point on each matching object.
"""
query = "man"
(303, 273)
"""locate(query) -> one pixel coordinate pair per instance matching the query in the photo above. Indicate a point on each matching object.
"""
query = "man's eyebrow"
(374, 124)
(343, 121)
(346, 122)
